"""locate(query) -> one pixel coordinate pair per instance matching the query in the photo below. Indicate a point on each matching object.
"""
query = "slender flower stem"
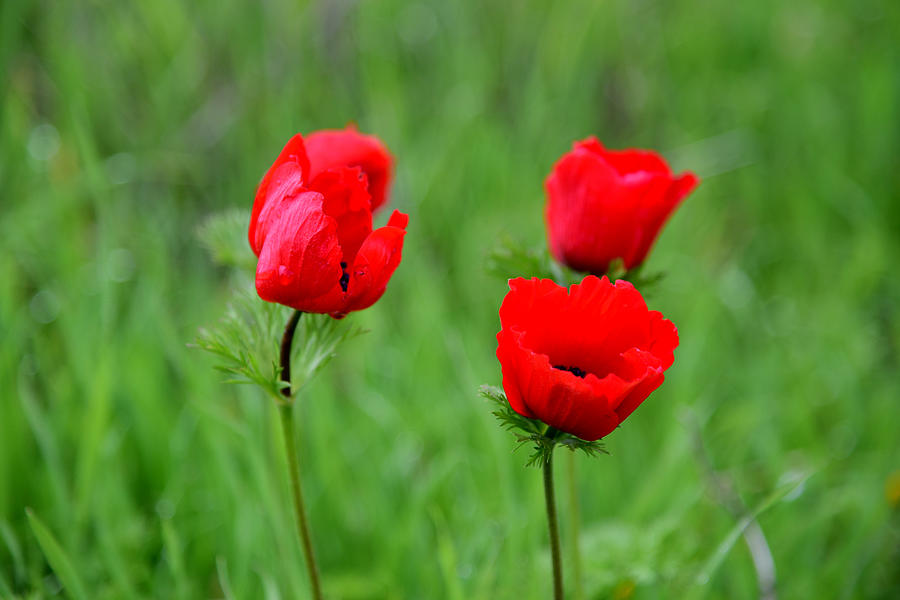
(286, 412)
(553, 526)
(575, 527)
(287, 340)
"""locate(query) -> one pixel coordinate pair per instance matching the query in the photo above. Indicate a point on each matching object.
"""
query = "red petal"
(347, 202)
(627, 161)
(293, 152)
(663, 339)
(346, 148)
(299, 264)
(508, 351)
(375, 262)
(659, 199)
(643, 369)
(285, 183)
(398, 219)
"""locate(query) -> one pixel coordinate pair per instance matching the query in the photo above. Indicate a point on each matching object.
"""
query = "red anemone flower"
(581, 360)
(314, 239)
(330, 148)
(605, 204)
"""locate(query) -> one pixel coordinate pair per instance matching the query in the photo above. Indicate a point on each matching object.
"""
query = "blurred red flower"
(581, 360)
(348, 147)
(314, 239)
(604, 204)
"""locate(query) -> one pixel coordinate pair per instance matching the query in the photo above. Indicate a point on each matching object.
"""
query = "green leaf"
(315, 344)
(59, 561)
(225, 236)
(510, 419)
(646, 283)
(594, 448)
(511, 259)
(535, 432)
(247, 342)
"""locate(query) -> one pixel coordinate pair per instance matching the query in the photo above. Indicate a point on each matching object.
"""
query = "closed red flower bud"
(581, 360)
(604, 204)
(348, 147)
(314, 239)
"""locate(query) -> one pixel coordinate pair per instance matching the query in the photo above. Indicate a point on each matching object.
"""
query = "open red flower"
(604, 204)
(581, 360)
(314, 239)
(348, 147)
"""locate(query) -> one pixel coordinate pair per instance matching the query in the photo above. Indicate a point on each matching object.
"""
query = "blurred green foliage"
(123, 125)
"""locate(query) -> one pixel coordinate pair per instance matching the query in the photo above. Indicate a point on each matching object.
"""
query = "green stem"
(553, 526)
(287, 423)
(286, 412)
(575, 526)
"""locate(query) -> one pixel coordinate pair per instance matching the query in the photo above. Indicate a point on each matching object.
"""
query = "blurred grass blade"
(174, 553)
(222, 573)
(718, 556)
(447, 556)
(270, 588)
(43, 431)
(118, 567)
(59, 561)
(95, 423)
(15, 550)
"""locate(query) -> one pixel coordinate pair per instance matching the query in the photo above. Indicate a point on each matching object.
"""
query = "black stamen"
(345, 278)
(573, 370)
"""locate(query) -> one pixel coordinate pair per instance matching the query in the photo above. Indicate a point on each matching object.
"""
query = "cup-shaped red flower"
(604, 204)
(331, 148)
(315, 243)
(581, 360)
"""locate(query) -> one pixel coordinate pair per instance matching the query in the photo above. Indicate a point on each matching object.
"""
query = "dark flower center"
(345, 277)
(573, 370)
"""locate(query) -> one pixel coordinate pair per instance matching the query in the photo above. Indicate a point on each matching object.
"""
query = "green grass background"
(124, 124)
